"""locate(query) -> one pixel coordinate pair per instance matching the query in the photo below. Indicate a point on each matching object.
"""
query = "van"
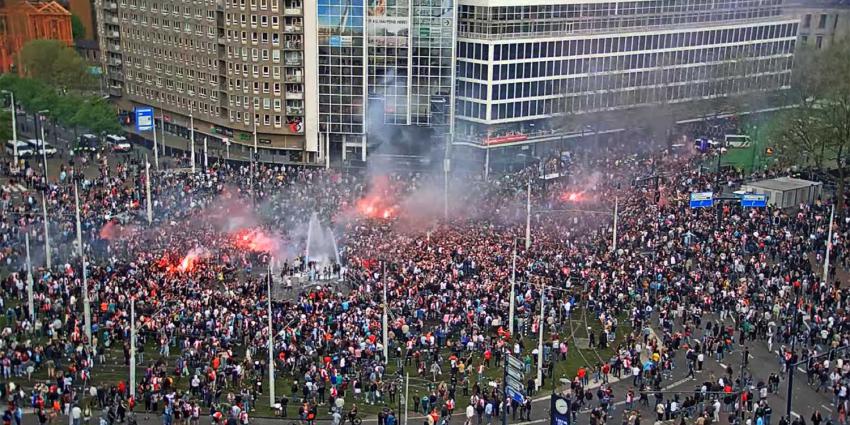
(24, 149)
(118, 143)
(88, 143)
(42, 148)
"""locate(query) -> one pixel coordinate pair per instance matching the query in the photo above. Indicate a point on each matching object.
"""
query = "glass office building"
(385, 67)
(522, 63)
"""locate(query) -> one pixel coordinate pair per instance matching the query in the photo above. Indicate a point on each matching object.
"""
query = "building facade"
(524, 67)
(385, 73)
(821, 22)
(24, 21)
(234, 71)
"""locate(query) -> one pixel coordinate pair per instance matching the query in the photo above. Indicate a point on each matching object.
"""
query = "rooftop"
(782, 183)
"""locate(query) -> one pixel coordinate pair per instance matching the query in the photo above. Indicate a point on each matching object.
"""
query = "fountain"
(321, 245)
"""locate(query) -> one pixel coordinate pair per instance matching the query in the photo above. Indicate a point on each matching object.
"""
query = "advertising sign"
(144, 118)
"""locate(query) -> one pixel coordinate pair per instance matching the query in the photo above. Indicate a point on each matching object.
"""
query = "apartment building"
(234, 71)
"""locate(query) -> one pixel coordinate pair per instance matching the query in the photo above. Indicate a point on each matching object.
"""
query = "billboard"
(389, 31)
(144, 118)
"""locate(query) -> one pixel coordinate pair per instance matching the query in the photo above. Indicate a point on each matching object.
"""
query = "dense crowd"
(682, 286)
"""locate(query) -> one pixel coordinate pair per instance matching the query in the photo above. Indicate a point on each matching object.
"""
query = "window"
(822, 22)
(819, 42)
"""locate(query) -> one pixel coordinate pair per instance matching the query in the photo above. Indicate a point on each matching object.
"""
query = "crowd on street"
(677, 288)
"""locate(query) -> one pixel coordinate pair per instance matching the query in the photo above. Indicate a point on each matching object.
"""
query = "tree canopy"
(71, 110)
(55, 64)
(817, 129)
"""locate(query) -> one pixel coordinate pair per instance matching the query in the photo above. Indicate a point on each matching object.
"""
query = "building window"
(819, 42)
(822, 22)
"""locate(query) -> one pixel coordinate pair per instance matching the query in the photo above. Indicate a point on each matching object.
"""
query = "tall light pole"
(162, 129)
(206, 157)
(614, 238)
(14, 125)
(132, 346)
(528, 217)
(30, 303)
(513, 296)
(43, 143)
(828, 245)
(384, 318)
(271, 336)
(155, 145)
(47, 261)
(446, 166)
(85, 288)
(148, 204)
(192, 139)
(540, 337)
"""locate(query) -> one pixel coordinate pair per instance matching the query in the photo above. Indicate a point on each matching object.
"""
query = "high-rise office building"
(385, 73)
(522, 65)
(236, 69)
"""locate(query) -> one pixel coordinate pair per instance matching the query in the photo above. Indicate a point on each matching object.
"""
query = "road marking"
(826, 407)
(677, 383)
(801, 369)
(722, 365)
(794, 414)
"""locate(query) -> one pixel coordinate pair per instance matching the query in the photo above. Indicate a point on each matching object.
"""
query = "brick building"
(23, 21)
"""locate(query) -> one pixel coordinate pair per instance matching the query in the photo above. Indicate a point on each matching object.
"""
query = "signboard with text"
(144, 119)
(754, 201)
(702, 200)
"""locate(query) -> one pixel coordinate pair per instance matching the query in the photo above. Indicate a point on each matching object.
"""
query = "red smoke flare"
(254, 240)
(572, 196)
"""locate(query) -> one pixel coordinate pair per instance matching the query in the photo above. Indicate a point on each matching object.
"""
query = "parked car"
(24, 149)
(118, 143)
(88, 143)
(42, 148)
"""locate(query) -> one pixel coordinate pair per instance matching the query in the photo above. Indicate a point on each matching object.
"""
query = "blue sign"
(754, 201)
(515, 395)
(144, 119)
(702, 200)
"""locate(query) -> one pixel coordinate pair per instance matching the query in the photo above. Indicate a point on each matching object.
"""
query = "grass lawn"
(114, 370)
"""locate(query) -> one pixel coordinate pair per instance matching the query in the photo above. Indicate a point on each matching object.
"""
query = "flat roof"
(782, 183)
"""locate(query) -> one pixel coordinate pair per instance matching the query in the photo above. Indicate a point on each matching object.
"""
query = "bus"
(736, 141)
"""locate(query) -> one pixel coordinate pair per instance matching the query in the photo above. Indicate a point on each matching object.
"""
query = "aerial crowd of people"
(668, 288)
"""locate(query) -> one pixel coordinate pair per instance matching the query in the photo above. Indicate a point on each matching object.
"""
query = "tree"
(820, 123)
(5, 125)
(55, 64)
(77, 28)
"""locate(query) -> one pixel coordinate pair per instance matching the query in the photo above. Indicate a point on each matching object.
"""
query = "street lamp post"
(271, 336)
(828, 245)
(47, 261)
(43, 142)
(528, 216)
(192, 139)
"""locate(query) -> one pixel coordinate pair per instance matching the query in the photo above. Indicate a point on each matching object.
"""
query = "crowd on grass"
(680, 288)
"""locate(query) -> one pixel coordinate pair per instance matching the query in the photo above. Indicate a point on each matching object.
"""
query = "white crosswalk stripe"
(13, 187)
